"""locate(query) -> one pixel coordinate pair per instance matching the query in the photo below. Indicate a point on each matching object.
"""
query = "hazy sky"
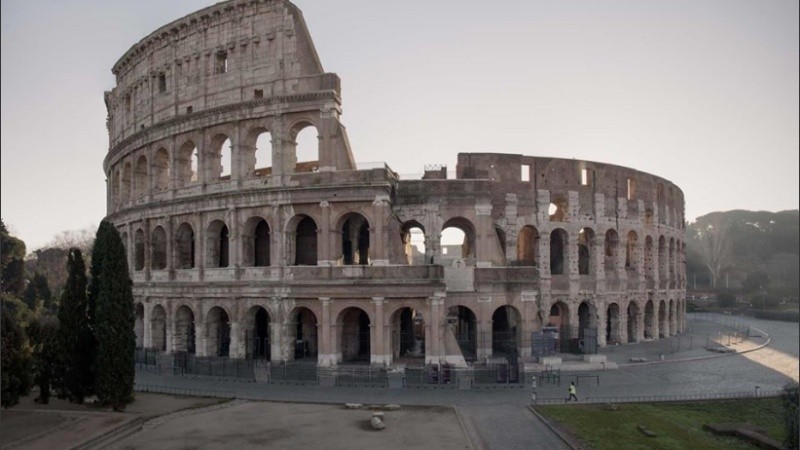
(703, 93)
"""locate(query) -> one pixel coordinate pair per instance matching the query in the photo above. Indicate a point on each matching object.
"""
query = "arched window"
(138, 245)
(458, 239)
(161, 170)
(184, 247)
(217, 244)
(355, 239)
(125, 183)
(558, 246)
(632, 251)
(256, 242)
(306, 242)
(610, 263)
(187, 162)
(304, 144)
(220, 158)
(355, 338)
(413, 238)
(218, 329)
(585, 249)
(140, 178)
(159, 249)
(527, 245)
(263, 154)
(558, 209)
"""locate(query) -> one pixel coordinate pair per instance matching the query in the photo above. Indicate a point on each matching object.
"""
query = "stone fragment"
(377, 424)
(353, 405)
(391, 407)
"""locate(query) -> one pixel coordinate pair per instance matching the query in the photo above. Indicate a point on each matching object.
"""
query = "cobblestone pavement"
(500, 417)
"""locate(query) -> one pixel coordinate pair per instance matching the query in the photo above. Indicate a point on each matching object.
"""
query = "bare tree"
(715, 246)
(51, 259)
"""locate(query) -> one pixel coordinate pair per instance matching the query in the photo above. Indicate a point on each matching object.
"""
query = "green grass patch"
(677, 425)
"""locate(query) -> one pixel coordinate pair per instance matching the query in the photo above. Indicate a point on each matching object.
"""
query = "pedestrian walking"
(573, 391)
(533, 391)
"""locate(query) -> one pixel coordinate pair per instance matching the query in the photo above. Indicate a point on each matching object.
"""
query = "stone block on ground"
(353, 405)
(377, 424)
(595, 359)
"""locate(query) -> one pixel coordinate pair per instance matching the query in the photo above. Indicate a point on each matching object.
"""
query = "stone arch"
(671, 263)
(408, 334)
(354, 344)
(299, 155)
(649, 321)
(138, 324)
(257, 152)
(631, 251)
(217, 244)
(662, 258)
(407, 235)
(218, 332)
(303, 328)
(185, 247)
(633, 322)
(587, 318)
(158, 248)
(586, 242)
(611, 259)
(256, 242)
(161, 170)
(464, 324)
(125, 183)
(257, 326)
(558, 252)
(663, 329)
(158, 328)
(559, 318)
(140, 181)
(303, 245)
(184, 338)
(138, 249)
(527, 245)
(187, 161)
(613, 331)
(466, 226)
(558, 209)
(220, 158)
(671, 318)
(353, 239)
(506, 332)
(649, 259)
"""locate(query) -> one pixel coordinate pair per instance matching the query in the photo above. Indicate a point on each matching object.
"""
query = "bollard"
(758, 388)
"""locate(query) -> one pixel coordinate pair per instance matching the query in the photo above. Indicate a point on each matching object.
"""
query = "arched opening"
(219, 159)
(138, 250)
(138, 324)
(257, 334)
(458, 239)
(355, 338)
(304, 330)
(306, 242)
(217, 244)
(184, 247)
(558, 246)
(631, 257)
(649, 260)
(158, 250)
(649, 323)
(610, 264)
(184, 339)
(262, 165)
(613, 332)
(408, 336)
(671, 263)
(218, 332)
(633, 322)
(506, 332)
(558, 325)
(140, 178)
(465, 328)
(158, 328)
(125, 185)
(304, 142)
(413, 238)
(187, 162)
(663, 328)
(161, 170)
(527, 245)
(662, 259)
(672, 317)
(355, 240)
(585, 244)
(261, 244)
(558, 209)
(587, 321)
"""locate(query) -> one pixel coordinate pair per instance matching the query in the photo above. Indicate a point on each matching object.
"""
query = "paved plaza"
(499, 418)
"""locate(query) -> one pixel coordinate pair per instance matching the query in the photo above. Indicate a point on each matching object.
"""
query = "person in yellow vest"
(572, 391)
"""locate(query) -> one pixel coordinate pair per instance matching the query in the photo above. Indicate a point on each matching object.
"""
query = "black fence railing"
(147, 359)
(213, 366)
(661, 398)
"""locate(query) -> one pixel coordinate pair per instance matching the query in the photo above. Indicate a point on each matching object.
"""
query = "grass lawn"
(677, 425)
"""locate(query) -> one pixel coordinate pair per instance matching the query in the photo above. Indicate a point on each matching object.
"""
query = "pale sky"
(702, 93)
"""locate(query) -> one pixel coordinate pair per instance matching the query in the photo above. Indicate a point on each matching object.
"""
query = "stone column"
(237, 343)
(377, 353)
(484, 233)
(326, 254)
(235, 237)
(623, 325)
(602, 313)
(147, 335)
(484, 323)
(169, 326)
(378, 232)
(327, 354)
(200, 338)
(148, 248)
(434, 333)
(199, 244)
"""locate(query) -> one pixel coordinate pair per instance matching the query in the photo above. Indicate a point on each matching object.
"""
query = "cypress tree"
(47, 357)
(113, 320)
(75, 334)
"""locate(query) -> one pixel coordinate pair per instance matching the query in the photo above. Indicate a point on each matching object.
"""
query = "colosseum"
(241, 249)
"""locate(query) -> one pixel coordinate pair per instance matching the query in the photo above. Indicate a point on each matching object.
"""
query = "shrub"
(791, 410)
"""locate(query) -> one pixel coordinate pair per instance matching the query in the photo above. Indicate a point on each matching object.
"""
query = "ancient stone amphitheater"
(238, 249)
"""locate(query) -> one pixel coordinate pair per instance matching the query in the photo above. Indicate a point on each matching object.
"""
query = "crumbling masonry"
(313, 259)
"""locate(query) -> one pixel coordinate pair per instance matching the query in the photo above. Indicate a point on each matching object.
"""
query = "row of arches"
(256, 243)
(218, 158)
(258, 335)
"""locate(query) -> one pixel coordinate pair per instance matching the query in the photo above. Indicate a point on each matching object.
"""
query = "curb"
(552, 428)
(481, 445)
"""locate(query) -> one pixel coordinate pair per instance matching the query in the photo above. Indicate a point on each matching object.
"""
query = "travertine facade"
(312, 259)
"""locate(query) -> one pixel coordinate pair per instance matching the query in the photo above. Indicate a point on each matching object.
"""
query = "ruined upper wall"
(230, 52)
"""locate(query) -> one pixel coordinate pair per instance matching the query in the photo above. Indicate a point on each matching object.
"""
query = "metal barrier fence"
(147, 359)
(294, 373)
(361, 377)
(661, 398)
(443, 376)
(213, 366)
(183, 391)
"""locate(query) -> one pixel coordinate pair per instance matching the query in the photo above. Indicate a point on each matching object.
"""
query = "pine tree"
(75, 334)
(113, 319)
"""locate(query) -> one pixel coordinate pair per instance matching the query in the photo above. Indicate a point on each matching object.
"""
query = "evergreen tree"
(16, 362)
(75, 335)
(47, 356)
(37, 290)
(113, 320)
